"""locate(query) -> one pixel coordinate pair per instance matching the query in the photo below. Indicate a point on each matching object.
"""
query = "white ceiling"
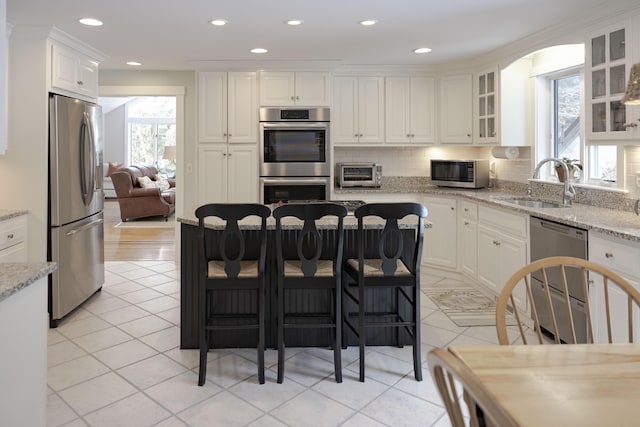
(176, 35)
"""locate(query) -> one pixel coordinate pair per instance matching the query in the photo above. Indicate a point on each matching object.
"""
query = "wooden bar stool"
(314, 263)
(396, 267)
(227, 264)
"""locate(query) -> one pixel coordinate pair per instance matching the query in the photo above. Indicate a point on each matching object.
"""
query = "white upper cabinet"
(358, 110)
(609, 58)
(73, 73)
(456, 109)
(286, 88)
(410, 109)
(227, 107)
(486, 107)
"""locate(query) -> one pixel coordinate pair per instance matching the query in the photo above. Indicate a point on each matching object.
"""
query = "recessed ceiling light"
(294, 22)
(259, 50)
(218, 22)
(422, 50)
(368, 22)
(134, 63)
(92, 22)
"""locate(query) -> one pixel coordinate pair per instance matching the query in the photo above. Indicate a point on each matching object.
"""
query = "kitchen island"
(304, 301)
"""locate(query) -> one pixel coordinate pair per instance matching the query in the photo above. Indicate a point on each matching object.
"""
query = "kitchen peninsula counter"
(15, 276)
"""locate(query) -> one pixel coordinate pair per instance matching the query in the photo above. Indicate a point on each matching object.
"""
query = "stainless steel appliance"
(294, 142)
(76, 229)
(281, 189)
(295, 153)
(358, 175)
(553, 239)
(460, 173)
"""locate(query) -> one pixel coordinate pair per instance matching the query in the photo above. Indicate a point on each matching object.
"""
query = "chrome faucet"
(569, 192)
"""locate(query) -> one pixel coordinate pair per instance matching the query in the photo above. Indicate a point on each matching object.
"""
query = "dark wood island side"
(303, 301)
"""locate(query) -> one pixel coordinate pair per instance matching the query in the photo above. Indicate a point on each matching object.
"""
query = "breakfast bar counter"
(305, 301)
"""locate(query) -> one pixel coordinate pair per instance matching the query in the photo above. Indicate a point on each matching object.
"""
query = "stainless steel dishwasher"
(550, 238)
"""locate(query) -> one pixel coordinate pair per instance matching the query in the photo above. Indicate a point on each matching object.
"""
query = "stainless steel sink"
(532, 203)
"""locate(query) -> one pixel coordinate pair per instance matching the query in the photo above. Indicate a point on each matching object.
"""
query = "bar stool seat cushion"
(373, 267)
(293, 268)
(247, 269)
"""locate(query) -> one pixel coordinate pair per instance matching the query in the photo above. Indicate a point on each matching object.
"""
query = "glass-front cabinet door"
(486, 108)
(608, 64)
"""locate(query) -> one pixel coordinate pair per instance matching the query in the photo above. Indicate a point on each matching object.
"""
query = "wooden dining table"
(561, 385)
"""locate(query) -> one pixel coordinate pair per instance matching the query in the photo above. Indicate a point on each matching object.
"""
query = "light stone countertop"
(15, 276)
(6, 214)
(253, 223)
(614, 222)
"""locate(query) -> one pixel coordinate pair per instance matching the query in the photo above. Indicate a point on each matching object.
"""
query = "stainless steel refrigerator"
(76, 202)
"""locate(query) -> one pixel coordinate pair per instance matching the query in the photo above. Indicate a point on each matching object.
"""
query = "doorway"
(149, 242)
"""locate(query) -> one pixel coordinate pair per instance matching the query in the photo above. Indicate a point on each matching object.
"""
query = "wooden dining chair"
(309, 275)
(528, 298)
(227, 265)
(387, 260)
(454, 380)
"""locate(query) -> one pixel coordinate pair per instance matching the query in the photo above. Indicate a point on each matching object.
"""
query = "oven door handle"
(294, 181)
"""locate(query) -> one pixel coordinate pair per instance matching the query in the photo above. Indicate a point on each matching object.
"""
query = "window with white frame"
(560, 124)
(151, 126)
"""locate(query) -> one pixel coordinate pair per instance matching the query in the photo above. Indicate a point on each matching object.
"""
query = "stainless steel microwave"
(358, 175)
(460, 173)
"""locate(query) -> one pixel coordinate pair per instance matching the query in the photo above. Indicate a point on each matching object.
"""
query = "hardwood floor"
(130, 243)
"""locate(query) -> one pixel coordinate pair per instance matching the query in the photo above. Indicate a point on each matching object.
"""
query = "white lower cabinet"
(502, 248)
(468, 238)
(440, 240)
(622, 257)
(228, 173)
(13, 235)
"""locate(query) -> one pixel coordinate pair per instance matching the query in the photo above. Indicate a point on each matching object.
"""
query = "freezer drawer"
(78, 249)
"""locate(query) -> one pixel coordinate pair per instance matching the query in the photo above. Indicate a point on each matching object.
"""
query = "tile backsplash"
(415, 162)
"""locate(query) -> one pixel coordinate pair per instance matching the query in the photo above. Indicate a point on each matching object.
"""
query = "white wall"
(115, 135)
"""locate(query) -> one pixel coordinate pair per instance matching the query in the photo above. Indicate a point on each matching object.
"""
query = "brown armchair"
(138, 202)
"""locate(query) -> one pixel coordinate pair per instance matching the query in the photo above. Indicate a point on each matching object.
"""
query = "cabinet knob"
(413, 135)
(452, 208)
(608, 255)
(468, 135)
(466, 209)
(360, 135)
(80, 82)
(497, 243)
(229, 154)
(10, 236)
(466, 223)
(356, 135)
(297, 97)
(224, 154)
(293, 98)
(408, 136)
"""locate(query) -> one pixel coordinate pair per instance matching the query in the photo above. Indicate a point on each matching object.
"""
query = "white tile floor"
(116, 361)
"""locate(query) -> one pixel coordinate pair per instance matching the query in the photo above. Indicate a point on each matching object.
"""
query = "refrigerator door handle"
(87, 160)
(85, 227)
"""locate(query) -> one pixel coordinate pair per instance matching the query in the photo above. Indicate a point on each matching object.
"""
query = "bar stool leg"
(361, 328)
(337, 342)
(261, 325)
(280, 333)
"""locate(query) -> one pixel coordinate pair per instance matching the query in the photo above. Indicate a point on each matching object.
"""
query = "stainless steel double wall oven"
(295, 154)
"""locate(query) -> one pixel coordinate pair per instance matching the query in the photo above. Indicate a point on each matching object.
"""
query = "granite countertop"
(253, 223)
(15, 276)
(614, 222)
(6, 214)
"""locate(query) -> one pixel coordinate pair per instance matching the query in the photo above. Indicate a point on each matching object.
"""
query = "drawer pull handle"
(10, 236)
(608, 255)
